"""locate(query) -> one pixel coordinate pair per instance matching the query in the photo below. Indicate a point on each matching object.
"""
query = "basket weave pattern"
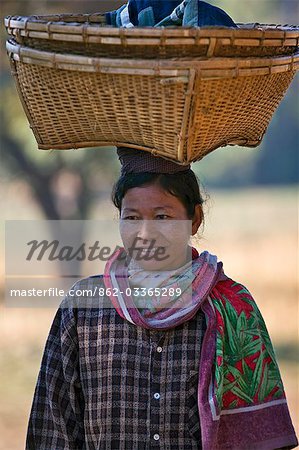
(88, 34)
(76, 108)
(179, 93)
(239, 115)
(162, 51)
(70, 109)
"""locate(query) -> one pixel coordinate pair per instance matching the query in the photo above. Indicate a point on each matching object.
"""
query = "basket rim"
(216, 67)
(86, 25)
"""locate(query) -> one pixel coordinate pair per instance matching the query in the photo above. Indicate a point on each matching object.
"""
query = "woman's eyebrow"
(130, 209)
(155, 208)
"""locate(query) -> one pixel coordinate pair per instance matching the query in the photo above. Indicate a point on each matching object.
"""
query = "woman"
(175, 355)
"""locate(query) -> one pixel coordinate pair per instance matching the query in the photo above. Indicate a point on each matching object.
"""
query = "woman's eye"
(162, 216)
(130, 218)
(158, 216)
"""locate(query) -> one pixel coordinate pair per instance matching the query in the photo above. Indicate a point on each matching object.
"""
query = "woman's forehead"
(153, 196)
(150, 193)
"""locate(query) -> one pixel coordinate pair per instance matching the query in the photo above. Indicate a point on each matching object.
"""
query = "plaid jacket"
(106, 384)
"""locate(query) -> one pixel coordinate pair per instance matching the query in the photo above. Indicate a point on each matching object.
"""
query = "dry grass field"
(254, 232)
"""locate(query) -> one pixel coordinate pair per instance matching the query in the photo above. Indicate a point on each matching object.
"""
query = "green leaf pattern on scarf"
(246, 371)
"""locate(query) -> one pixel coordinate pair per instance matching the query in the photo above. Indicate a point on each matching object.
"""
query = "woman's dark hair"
(183, 185)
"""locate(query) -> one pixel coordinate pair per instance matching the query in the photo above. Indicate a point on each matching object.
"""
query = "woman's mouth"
(150, 251)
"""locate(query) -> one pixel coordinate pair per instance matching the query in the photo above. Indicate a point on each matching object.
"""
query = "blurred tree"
(278, 162)
(65, 184)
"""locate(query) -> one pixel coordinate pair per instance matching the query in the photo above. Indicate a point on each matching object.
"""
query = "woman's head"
(183, 185)
(172, 199)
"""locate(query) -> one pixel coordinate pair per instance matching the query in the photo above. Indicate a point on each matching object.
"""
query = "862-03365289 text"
(96, 291)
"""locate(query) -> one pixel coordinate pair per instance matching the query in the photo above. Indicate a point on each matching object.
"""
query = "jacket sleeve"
(56, 418)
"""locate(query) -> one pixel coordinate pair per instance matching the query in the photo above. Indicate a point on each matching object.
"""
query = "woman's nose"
(148, 231)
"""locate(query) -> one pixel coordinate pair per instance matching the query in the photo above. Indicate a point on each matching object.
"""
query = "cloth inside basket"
(158, 13)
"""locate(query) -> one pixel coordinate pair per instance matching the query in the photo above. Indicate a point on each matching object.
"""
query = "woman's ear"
(197, 218)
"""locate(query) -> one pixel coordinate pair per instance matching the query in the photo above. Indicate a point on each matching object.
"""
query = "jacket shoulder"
(88, 293)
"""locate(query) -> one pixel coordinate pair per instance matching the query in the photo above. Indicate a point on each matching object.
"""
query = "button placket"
(157, 358)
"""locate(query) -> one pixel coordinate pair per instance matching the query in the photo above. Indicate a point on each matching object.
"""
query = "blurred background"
(251, 212)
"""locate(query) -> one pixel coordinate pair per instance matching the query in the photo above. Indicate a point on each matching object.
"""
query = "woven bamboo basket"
(180, 109)
(89, 35)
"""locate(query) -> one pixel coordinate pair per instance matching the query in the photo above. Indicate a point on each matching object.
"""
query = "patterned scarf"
(241, 399)
(167, 309)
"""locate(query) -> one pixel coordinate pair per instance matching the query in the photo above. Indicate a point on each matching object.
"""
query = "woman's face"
(155, 228)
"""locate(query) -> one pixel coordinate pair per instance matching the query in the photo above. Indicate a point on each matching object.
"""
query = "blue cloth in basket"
(157, 13)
